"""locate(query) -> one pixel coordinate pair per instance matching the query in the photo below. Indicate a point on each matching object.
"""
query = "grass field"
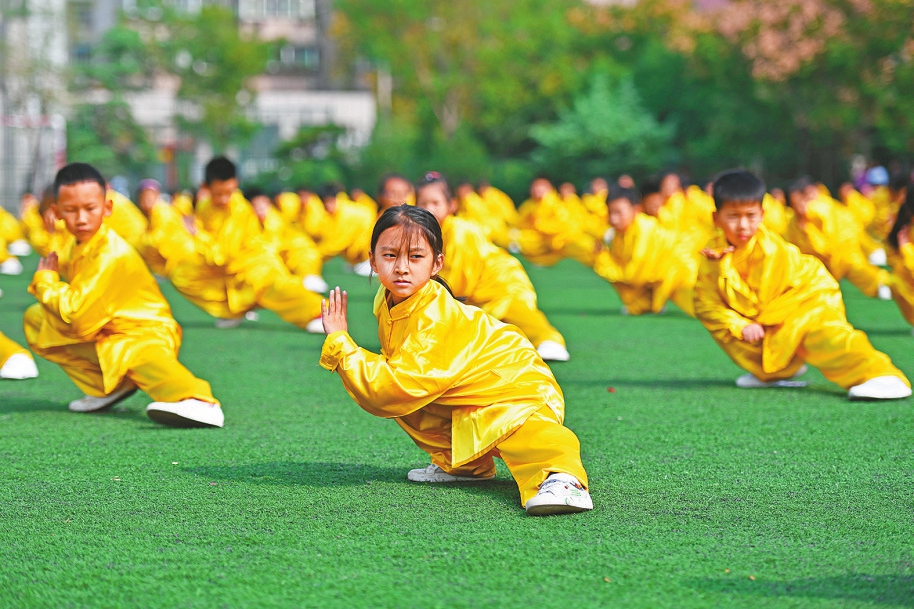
(706, 495)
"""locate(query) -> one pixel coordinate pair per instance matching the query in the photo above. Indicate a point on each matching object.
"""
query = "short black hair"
(651, 185)
(800, 184)
(75, 173)
(737, 186)
(330, 190)
(620, 192)
(899, 181)
(253, 192)
(219, 168)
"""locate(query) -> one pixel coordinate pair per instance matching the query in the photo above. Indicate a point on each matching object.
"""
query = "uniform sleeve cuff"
(43, 278)
(336, 345)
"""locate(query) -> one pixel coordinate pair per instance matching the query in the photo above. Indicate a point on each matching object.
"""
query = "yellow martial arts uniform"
(9, 348)
(499, 202)
(832, 235)
(109, 324)
(550, 230)
(290, 208)
(463, 385)
(166, 242)
(184, 203)
(346, 232)
(902, 281)
(126, 219)
(885, 211)
(864, 210)
(295, 248)
(796, 300)
(234, 269)
(43, 241)
(648, 265)
(475, 209)
(493, 280)
(776, 217)
(10, 230)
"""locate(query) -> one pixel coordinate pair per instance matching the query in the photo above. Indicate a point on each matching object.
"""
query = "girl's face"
(402, 264)
(432, 198)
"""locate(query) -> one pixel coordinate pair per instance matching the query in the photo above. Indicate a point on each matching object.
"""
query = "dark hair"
(329, 190)
(899, 181)
(737, 186)
(415, 221)
(76, 173)
(800, 184)
(433, 177)
(904, 217)
(219, 168)
(650, 185)
(253, 192)
(620, 192)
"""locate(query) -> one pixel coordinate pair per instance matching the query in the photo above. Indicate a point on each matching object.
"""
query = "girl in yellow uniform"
(464, 386)
(900, 251)
(486, 275)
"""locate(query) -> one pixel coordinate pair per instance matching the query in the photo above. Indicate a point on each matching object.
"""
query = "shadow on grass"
(906, 332)
(317, 473)
(883, 589)
(25, 405)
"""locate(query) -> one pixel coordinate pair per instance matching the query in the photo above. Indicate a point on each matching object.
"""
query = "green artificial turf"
(706, 495)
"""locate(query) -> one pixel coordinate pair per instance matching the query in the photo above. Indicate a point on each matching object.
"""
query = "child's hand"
(333, 311)
(190, 225)
(50, 220)
(712, 254)
(753, 333)
(49, 264)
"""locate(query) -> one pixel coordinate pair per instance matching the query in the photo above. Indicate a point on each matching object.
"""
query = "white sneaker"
(433, 473)
(93, 404)
(224, 323)
(11, 266)
(19, 248)
(19, 366)
(550, 350)
(186, 413)
(362, 269)
(559, 494)
(315, 326)
(880, 388)
(315, 283)
(878, 257)
(252, 316)
(884, 293)
(749, 381)
(623, 310)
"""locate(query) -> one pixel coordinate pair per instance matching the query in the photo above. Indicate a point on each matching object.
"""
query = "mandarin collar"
(427, 293)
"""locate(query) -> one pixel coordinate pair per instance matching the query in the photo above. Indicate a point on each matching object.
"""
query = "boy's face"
(396, 192)
(799, 202)
(739, 221)
(221, 191)
(261, 205)
(147, 199)
(539, 188)
(83, 207)
(621, 214)
(651, 204)
(330, 204)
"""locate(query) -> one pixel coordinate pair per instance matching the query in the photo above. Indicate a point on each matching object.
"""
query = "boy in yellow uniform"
(771, 308)
(346, 230)
(108, 326)
(550, 230)
(828, 231)
(645, 263)
(234, 269)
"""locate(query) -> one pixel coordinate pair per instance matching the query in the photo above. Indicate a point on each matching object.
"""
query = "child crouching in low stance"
(463, 385)
(771, 308)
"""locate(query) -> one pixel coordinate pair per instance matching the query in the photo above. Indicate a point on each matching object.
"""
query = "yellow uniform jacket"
(768, 282)
(452, 370)
(902, 282)
(347, 232)
(110, 298)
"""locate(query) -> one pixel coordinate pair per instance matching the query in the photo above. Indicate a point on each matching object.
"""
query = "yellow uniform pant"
(9, 348)
(279, 291)
(842, 354)
(863, 275)
(153, 368)
(530, 320)
(540, 446)
(653, 297)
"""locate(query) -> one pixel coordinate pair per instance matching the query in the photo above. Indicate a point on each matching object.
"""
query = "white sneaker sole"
(420, 475)
(111, 400)
(178, 415)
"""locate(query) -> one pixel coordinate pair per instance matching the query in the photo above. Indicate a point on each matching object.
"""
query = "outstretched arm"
(333, 311)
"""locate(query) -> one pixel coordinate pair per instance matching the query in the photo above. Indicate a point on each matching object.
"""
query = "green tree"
(606, 130)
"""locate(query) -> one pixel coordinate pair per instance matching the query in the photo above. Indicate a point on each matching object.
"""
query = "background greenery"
(706, 495)
(508, 89)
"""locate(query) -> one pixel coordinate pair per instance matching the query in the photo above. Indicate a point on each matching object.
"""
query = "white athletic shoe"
(315, 283)
(224, 323)
(623, 310)
(252, 316)
(19, 366)
(884, 293)
(362, 269)
(433, 473)
(560, 494)
(552, 351)
(878, 257)
(880, 388)
(749, 381)
(315, 326)
(19, 248)
(93, 404)
(11, 266)
(186, 413)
